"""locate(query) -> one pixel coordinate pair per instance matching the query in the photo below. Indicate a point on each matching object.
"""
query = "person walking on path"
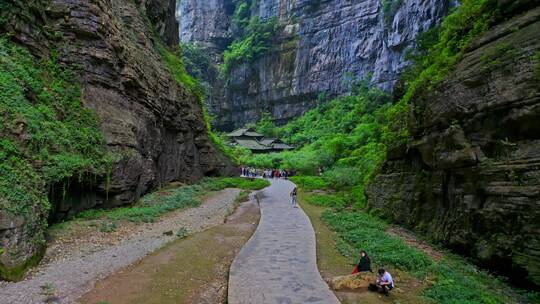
(294, 193)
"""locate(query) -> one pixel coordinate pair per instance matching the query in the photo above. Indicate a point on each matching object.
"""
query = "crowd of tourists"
(265, 173)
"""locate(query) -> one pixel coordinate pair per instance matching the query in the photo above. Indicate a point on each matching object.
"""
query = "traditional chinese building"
(256, 142)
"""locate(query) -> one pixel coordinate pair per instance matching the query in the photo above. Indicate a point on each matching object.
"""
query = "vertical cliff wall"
(470, 178)
(153, 126)
(322, 47)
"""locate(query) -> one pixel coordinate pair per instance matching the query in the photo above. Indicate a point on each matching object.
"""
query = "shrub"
(215, 184)
(255, 41)
(155, 204)
(326, 200)
(309, 182)
(176, 67)
(46, 135)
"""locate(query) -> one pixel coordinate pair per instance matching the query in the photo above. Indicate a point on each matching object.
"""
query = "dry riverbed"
(82, 252)
(190, 270)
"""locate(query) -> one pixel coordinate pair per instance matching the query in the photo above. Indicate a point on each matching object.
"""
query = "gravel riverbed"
(74, 263)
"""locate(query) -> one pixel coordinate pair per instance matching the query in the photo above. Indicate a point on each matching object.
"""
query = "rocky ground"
(80, 253)
(178, 272)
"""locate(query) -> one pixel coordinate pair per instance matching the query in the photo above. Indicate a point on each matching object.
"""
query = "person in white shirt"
(384, 282)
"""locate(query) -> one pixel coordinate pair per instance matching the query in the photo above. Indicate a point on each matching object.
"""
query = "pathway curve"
(278, 264)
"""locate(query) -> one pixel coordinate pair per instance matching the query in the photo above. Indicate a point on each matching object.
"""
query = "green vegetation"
(338, 200)
(453, 279)
(390, 8)
(43, 125)
(174, 62)
(255, 36)
(176, 67)
(150, 206)
(199, 64)
(197, 61)
(155, 204)
(17, 273)
(346, 139)
(216, 184)
(495, 57)
(441, 48)
(309, 182)
(46, 138)
(265, 125)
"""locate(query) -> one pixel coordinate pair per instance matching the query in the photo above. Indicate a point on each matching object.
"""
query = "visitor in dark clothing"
(364, 264)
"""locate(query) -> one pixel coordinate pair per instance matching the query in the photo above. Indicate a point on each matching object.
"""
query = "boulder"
(352, 281)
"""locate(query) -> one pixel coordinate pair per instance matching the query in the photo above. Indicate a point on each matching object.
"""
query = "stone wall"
(470, 178)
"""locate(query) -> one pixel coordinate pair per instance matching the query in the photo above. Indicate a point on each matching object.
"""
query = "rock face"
(471, 176)
(324, 46)
(154, 126)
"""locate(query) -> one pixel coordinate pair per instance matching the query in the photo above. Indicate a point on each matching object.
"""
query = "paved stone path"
(278, 264)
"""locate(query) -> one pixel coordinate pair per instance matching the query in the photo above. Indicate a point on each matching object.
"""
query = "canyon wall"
(153, 126)
(470, 178)
(323, 46)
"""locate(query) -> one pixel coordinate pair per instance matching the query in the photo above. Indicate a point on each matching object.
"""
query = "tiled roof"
(251, 144)
(244, 132)
(267, 141)
(281, 146)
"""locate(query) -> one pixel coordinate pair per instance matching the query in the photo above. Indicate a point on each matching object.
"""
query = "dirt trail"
(191, 270)
(75, 262)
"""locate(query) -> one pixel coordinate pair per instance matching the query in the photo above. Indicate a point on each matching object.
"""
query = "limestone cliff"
(322, 47)
(470, 178)
(153, 126)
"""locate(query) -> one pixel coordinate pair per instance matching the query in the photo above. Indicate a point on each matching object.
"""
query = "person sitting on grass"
(364, 264)
(384, 282)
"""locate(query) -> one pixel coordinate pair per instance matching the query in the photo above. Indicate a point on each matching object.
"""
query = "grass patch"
(150, 206)
(309, 183)
(326, 200)
(453, 279)
(155, 204)
(216, 184)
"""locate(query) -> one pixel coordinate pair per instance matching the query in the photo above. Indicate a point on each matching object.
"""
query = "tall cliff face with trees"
(453, 154)
(96, 110)
(469, 176)
(285, 56)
